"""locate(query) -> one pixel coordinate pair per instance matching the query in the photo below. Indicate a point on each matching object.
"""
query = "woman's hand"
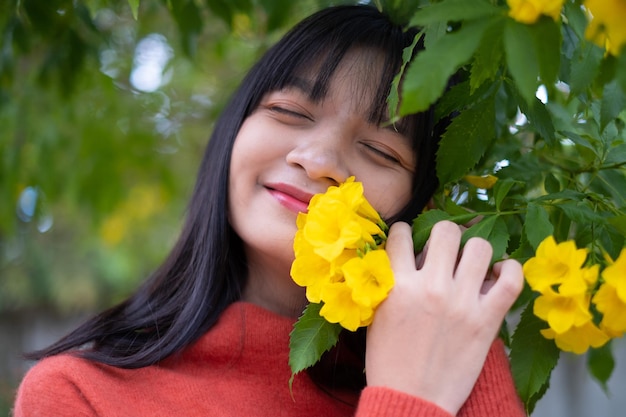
(431, 336)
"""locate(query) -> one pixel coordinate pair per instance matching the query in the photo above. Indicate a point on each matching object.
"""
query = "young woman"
(207, 334)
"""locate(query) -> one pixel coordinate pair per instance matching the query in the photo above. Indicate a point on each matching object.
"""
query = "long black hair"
(206, 270)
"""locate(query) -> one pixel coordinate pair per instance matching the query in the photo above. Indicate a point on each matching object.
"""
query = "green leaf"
(428, 74)
(488, 56)
(399, 11)
(493, 229)
(501, 190)
(455, 98)
(616, 155)
(619, 222)
(278, 12)
(581, 213)
(311, 336)
(394, 96)
(134, 7)
(434, 32)
(533, 54)
(579, 140)
(453, 10)
(551, 183)
(532, 357)
(620, 74)
(537, 225)
(546, 35)
(523, 252)
(584, 67)
(539, 118)
(423, 224)
(465, 140)
(519, 47)
(601, 363)
(613, 102)
(566, 194)
(187, 17)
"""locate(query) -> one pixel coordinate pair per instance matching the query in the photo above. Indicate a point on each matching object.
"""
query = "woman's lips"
(290, 197)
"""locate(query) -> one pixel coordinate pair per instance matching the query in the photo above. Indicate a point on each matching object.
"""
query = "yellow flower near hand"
(578, 339)
(314, 272)
(369, 277)
(557, 273)
(339, 307)
(350, 193)
(332, 226)
(529, 11)
(340, 218)
(606, 27)
(563, 312)
(559, 265)
(610, 299)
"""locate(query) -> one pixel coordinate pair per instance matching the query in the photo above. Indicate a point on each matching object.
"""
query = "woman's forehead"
(358, 73)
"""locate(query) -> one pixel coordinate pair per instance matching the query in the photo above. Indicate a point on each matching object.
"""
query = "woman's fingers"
(399, 247)
(507, 284)
(473, 267)
(443, 249)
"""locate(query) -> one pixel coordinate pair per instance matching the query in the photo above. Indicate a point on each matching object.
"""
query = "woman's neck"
(270, 286)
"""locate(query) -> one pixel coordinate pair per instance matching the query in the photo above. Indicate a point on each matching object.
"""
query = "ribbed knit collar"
(245, 332)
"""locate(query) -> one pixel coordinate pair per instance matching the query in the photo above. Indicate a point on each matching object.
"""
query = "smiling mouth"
(291, 198)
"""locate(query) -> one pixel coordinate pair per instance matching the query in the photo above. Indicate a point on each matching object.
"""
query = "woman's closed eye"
(285, 112)
(378, 152)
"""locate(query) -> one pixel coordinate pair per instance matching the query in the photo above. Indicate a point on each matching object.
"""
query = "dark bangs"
(316, 47)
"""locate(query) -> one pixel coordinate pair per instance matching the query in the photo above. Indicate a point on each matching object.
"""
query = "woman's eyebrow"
(301, 84)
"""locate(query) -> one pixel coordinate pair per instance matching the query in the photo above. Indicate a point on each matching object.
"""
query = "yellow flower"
(606, 27)
(563, 312)
(578, 338)
(484, 181)
(314, 272)
(331, 227)
(339, 307)
(557, 273)
(340, 257)
(610, 299)
(369, 277)
(340, 218)
(560, 266)
(529, 11)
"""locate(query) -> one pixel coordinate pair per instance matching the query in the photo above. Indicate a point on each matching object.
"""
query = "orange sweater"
(238, 368)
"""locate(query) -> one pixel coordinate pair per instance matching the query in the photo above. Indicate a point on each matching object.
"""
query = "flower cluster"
(606, 27)
(610, 299)
(340, 257)
(529, 11)
(566, 299)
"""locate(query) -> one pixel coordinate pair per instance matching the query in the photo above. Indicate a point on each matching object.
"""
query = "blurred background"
(105, 109)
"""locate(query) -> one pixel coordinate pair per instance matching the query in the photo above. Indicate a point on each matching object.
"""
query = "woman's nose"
(321, 156)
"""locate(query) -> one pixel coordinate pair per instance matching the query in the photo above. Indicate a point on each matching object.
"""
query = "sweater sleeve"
(494, 395)
(47, 390)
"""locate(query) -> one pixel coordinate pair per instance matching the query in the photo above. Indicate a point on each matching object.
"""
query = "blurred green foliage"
(105, 108)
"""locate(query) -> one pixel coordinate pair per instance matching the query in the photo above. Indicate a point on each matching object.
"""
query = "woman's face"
(291, 148)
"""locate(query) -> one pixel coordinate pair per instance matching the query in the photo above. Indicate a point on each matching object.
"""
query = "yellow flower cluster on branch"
(567, 291)
(529, 11)
(610, 299)
(340, 257)
(606, 27)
